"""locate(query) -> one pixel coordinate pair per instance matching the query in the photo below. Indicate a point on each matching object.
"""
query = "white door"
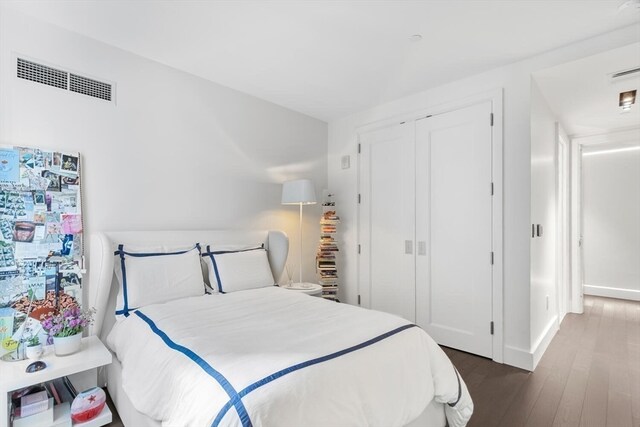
(387, 209)
(454, 228)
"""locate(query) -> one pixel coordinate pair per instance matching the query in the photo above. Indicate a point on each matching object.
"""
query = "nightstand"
(92, 355)
(312, 289)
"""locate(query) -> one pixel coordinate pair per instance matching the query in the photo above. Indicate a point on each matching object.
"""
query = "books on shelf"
(326, 265)
(41, 405)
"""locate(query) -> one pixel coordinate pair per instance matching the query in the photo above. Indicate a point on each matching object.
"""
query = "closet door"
(387, 220)
(454, 228)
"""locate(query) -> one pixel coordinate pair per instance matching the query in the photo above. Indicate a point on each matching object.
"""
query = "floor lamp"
(299, 192)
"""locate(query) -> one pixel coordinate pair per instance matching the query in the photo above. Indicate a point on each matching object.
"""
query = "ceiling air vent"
(624, 74)
(72, 82)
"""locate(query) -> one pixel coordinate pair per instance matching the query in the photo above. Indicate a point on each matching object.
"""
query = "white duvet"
(272, 357)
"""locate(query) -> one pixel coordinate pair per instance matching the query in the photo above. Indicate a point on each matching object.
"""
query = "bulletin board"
(41, 248)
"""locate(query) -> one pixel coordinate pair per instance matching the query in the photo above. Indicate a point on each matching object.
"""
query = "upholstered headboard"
(103, 286)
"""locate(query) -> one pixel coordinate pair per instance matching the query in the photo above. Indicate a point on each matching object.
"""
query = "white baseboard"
(528, 360)
(544, 340)
(518, 357)
(609, 292)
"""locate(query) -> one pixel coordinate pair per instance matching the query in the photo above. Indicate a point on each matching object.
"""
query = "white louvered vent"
(41, 74)
(50, 76)
(90, 87)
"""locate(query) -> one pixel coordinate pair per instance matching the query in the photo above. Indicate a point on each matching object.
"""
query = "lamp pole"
(300, 251)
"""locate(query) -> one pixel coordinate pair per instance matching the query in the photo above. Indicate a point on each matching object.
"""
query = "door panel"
(387, 221)
(454, 228)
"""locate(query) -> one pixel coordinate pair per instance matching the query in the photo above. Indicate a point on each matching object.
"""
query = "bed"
(265, 356)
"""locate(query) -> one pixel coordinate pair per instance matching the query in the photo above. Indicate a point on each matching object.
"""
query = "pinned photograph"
(38, 157)
(24, 231)
(9, 166)
(27, 158)
(54, 180)
(38, 197)
(39, 217)
(54, 228)
(70, 180)
(48, 159)
(69, 163)
(71, 223)
(57, 160)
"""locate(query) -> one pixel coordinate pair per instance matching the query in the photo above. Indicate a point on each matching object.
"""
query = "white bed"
(295, 395)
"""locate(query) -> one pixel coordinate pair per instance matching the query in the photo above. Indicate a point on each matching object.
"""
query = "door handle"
(408, 247)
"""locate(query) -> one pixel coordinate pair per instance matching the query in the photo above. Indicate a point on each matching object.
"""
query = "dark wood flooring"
(588, 377)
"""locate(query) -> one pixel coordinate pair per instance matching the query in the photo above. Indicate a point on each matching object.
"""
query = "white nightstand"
(13, 376)
(312, 289)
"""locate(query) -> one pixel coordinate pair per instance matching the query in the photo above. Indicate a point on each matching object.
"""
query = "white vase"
(64, 346)
(34, 351)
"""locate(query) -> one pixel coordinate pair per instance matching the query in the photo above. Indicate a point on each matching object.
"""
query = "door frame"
(577, 259)
(497, 206)
(563, 233)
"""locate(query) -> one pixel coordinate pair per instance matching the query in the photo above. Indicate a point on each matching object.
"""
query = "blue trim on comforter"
(238, 398)
(224, 383)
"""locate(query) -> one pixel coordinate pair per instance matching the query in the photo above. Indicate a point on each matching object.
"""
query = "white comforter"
(211, 360)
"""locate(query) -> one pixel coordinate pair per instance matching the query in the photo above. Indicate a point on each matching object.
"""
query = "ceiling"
(583, 97)
(327, 58)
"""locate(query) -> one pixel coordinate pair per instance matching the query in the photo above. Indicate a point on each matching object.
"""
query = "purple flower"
(70, 322)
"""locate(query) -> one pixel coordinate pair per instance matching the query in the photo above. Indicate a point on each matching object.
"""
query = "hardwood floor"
(588, 377)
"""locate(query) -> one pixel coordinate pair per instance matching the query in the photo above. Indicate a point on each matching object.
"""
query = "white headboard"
(103, 286)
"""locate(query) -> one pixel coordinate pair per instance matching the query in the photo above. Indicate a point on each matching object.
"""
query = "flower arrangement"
(70, 322)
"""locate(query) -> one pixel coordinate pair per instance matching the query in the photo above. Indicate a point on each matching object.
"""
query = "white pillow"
(152, 275)
(231, 271)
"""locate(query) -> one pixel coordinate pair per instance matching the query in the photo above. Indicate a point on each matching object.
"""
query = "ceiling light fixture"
(615, 150)
(415, 37)
(627, 99)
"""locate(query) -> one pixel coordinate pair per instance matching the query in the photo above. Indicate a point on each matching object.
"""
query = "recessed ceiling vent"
(61, 79)
(624, 74)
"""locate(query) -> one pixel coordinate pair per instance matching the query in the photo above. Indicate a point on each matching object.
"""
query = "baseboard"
(543, 342)
(518, 357)
(605, 291)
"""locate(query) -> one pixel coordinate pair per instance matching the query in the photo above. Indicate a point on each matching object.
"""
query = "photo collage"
(40, 234)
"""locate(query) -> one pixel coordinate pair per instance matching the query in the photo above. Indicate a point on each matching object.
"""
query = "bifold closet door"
(387, 220)
(454, 228)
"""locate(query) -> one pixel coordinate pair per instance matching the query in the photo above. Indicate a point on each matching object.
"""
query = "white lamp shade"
(299, 191)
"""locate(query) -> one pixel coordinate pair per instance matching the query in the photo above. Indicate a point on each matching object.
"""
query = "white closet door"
(454, 228)
(387, 220)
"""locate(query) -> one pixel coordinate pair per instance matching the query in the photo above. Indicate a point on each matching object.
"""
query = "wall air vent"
(61, 79)
(89, 87)
(42, 74)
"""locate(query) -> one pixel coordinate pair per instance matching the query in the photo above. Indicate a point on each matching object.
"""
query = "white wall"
(611, 222)
(175, 152)
(544, 313)
(516, 81)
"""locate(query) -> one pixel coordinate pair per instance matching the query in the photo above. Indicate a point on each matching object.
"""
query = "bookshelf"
(326, 267)
(93, 355)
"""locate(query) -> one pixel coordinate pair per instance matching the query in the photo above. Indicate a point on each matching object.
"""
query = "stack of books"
(43, 405)
(326, 255)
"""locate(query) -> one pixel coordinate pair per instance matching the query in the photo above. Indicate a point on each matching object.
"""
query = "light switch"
(346, 162)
